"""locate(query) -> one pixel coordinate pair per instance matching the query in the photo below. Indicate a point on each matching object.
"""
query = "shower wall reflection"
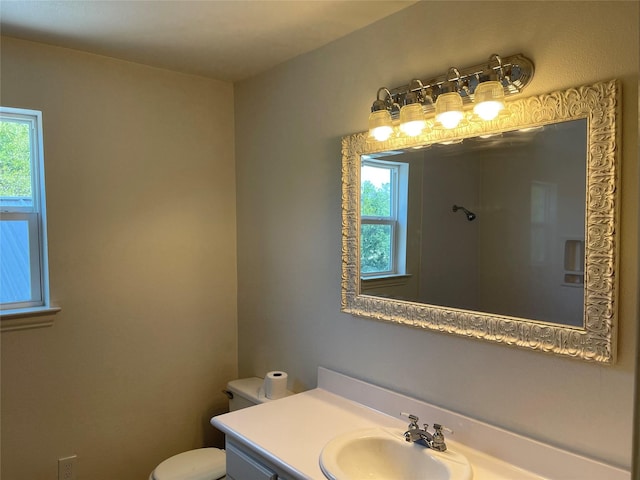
(523, 253)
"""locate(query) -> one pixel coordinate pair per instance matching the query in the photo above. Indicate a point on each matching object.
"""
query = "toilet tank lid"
(250, 388)
(199, 464)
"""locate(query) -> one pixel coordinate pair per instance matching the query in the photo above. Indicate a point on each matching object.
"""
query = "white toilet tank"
(245, 392)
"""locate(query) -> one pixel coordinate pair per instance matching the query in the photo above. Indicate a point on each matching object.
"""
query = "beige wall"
(288, 172)
(141, 202)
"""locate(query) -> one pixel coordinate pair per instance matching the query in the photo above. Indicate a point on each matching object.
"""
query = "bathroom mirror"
(504, 230)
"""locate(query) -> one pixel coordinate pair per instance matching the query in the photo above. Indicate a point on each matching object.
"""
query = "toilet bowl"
(210, 463)
(199, 464)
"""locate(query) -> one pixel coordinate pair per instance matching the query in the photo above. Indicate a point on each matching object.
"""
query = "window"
(23, 254)
(383, 222)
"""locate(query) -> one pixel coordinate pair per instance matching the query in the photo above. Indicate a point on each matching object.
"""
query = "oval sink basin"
(380, 453)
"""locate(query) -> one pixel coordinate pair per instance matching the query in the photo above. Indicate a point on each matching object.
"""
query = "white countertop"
(291, 433)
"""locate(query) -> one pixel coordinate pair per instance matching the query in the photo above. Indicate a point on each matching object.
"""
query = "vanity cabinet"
(244, 464)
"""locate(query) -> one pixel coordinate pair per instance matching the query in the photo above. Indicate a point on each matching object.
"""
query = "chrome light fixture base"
(493, 81)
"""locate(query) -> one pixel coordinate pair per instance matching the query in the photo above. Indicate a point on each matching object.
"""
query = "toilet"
(210, 463)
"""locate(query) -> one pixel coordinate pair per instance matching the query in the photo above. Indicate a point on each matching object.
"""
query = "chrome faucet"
(433, 440)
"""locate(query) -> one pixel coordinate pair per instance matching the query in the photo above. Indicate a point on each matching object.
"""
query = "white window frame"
(397, 218)
(37, 311)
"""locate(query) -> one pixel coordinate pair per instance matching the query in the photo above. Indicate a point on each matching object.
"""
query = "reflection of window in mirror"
(543, 220)
(383, 217)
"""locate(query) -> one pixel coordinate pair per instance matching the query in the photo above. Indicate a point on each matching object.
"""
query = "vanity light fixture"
(412, 118)
(449, 103)
(444, 101)
(489, 95)
(380, 122)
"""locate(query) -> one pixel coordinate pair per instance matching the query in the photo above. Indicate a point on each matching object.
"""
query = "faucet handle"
(437, 440)
(412, 418)
(438, 428)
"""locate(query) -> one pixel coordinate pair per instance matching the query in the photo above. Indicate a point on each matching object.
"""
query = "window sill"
(386, 280)
(391, 275)
(26, 318)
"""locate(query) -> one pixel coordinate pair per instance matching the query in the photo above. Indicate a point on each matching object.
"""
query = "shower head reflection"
(470, 215)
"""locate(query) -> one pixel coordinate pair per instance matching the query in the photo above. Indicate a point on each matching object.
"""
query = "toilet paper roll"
(275, 385)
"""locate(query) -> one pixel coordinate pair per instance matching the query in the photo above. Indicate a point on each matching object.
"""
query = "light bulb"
(449, 119)
(449, 109)
(380, 125)
(488, 110)
(489, 100)
(412, 120)
(381, 133)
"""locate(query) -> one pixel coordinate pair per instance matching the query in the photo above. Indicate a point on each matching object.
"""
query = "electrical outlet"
(67, 468)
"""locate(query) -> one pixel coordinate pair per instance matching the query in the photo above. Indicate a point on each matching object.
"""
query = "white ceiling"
(224, 39)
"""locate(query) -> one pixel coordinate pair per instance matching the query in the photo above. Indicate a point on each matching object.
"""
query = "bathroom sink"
(383, 453)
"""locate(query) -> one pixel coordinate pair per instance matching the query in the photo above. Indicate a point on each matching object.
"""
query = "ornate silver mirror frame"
(596, 340)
